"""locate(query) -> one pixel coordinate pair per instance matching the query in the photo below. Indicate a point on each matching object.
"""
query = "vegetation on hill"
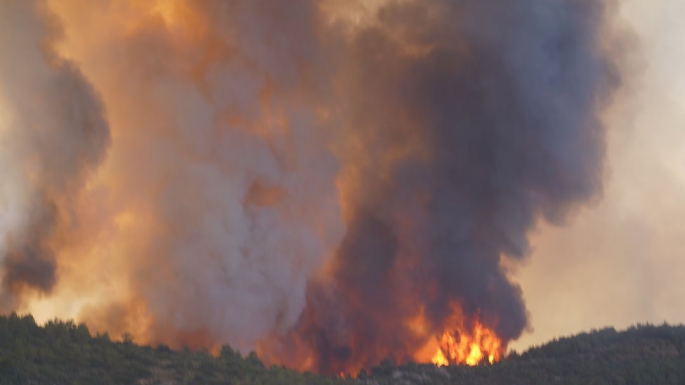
(65, 353)
(641, 355)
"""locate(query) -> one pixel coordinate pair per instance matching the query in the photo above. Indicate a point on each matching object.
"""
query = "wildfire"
(470, 348)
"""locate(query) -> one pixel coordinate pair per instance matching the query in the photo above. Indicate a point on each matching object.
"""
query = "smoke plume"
(52, 132)
(330, 182)
(470, 121)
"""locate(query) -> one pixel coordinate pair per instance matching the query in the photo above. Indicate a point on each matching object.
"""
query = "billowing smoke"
(470, 120)
(332, 182)
(221, 178)
(52, 132)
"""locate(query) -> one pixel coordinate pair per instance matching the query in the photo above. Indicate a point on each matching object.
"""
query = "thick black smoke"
(472, 120)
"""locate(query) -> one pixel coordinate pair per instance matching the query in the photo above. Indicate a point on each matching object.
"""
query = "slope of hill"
(65, 353)
(643, 354)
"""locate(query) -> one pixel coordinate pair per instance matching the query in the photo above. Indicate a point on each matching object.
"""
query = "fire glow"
(470, 347)
(320, 181)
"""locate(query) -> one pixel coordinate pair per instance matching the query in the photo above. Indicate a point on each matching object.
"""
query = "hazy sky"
(620, 261)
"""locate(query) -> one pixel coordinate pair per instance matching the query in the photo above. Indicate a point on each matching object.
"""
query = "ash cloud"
(308, 178)
(222, 179)
(476, 119)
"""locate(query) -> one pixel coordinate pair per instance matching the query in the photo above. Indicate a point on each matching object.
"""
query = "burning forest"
(331, 183)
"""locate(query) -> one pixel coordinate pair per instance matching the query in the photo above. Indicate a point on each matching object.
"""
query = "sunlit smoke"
(52, 134)
(332, 183)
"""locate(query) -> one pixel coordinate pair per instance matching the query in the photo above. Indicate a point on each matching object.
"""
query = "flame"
(470, 348)
(280, 180)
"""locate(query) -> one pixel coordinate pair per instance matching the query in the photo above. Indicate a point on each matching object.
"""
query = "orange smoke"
(331, 182)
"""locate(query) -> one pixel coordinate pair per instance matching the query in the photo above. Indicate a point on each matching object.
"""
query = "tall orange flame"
(470, 347)
(332, 183)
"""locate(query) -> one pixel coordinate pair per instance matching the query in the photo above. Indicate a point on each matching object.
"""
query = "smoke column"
(470, 121)
(52, 133)
(331, 182)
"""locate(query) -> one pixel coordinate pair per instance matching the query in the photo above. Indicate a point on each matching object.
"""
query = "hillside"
(65, 353)
(643, 354)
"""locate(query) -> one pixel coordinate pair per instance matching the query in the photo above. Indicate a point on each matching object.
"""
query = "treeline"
(641, 355)
(61, 352)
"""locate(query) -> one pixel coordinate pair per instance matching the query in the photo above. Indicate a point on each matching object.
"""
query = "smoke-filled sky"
(621, 261)
(338, 182)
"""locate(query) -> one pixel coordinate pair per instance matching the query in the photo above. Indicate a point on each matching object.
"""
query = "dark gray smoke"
(473, 119)
(334, 182)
